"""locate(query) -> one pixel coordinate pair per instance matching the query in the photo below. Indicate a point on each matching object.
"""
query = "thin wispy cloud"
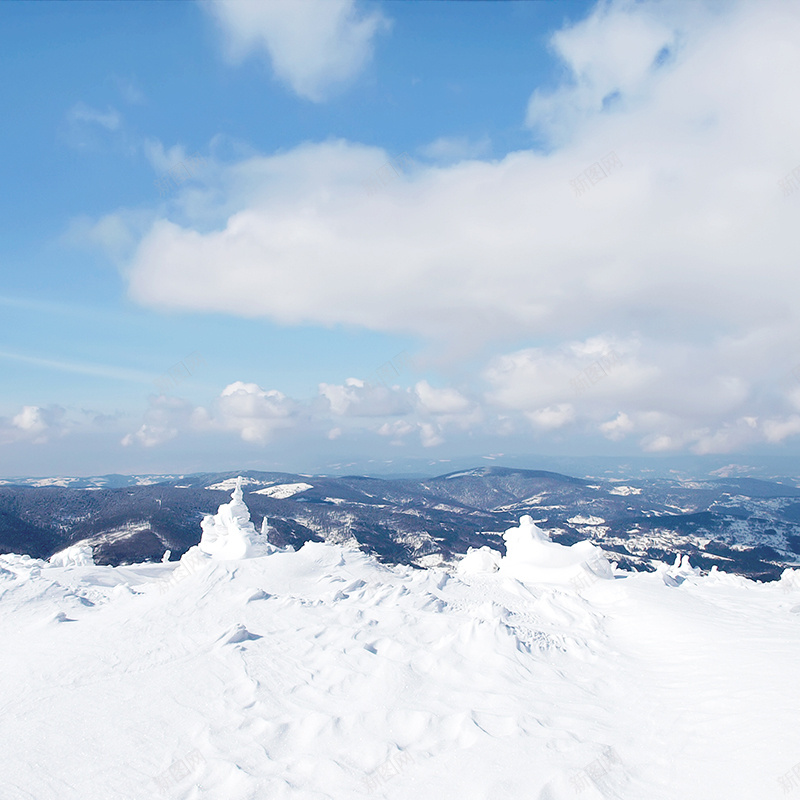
(97, 370)
(110, 119)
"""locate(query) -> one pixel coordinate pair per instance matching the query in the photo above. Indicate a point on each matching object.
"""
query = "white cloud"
(618, 427)
(484, 249)
(513, 402)
(430, 435)
(682, 261)
(612, 52)
(113, 234)
(552, 417)
(358, 399)
(244, 409)
(164, 419)
(314, 45)
(729, 438)
(110, 119)
(256, 414)
(778, 430)
(456, 148)
(37, 424)
(161, 158)
(397, 430)
(440, 401)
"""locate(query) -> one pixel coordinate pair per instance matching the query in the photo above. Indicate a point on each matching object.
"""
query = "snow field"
(324, 674)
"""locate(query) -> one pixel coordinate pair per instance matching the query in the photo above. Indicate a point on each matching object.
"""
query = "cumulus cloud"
(162, 158)
(484, 249)
(164, 419)
(440, 401)
(618, 427)
(257, 415)
(313, 45)
(36, 424)
(552, 417)
(527, 394)
(610, 57)
(244, 409)
(778, 430)
(681, 262)
(254, 413)
(357, 398)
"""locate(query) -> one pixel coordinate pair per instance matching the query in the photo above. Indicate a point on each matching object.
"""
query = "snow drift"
(533, 558)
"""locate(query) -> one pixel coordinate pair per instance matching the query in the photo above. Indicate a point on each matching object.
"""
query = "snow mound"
(21, 567)
(479, 560)
(237, 635)
(229, 534)
(79, 555)
(532, 558)
(790, 580)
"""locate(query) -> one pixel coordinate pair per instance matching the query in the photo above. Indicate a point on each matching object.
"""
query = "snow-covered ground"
(544, 675)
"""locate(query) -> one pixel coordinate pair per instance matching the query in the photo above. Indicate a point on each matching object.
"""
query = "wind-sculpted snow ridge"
(79, 555)
(323, 674)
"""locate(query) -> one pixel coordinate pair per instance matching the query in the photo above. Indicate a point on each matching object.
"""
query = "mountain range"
(745, 526)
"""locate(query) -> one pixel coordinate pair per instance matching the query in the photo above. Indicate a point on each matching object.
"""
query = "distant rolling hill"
(743, 525)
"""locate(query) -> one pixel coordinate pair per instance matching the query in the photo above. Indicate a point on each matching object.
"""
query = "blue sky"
(575, 221)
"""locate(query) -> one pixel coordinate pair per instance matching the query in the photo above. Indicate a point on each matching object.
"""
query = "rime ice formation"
(479, 560)
(790, 579)
(532, 557)
(263, 546)
(79, 555)
(678, 572)
(229, 533)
